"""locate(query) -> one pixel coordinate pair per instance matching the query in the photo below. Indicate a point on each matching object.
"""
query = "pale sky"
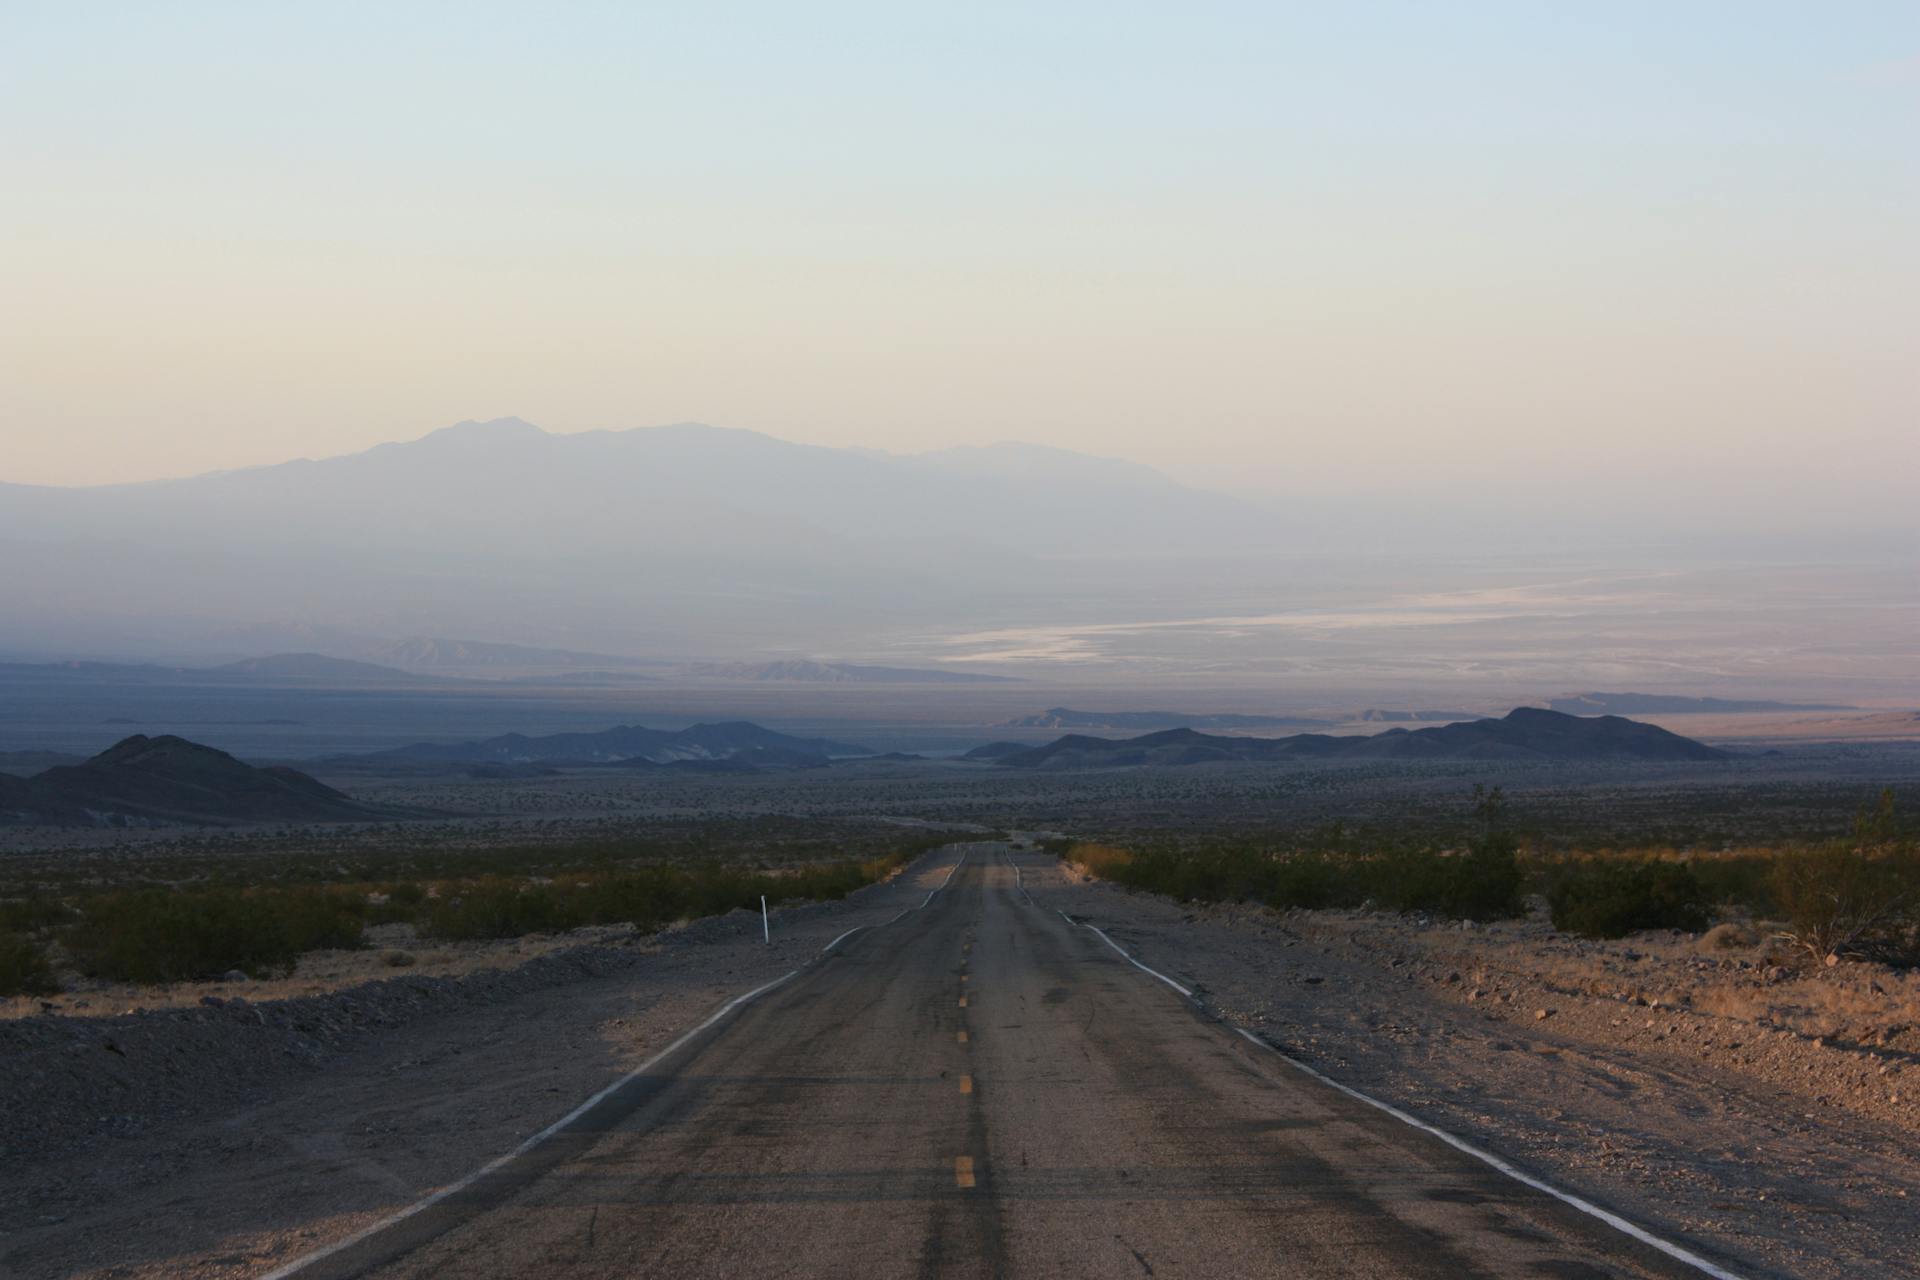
(1366, 248)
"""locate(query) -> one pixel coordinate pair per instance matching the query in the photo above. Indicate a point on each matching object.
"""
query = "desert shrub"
(1845, 899)
(1728, 935)
(1103, 860)
(1856, 897)
(167, 935)
(24, 970)
(1314, 881)
(32, 912)
(499, 907)
(1484, 882)
(644, 897)
(1613, 897)
(395, 902)
(1741, 881)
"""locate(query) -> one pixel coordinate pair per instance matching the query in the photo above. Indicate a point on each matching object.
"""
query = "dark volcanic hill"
(1526, 733)
(168, 779)
(750, 743)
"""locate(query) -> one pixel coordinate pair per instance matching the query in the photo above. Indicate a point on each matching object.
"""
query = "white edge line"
(299, 1264)
(1136, 964)
(1587, 1207)
(1018, 882)
(307, 1260)
(843, 937)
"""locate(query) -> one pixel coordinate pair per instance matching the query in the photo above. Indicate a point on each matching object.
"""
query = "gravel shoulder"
(222, 1139)
(1776, 1125)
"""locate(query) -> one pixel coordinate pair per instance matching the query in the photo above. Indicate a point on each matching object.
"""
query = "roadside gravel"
(1796, 1152)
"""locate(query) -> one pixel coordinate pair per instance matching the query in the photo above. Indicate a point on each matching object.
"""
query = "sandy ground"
(1693, 1095)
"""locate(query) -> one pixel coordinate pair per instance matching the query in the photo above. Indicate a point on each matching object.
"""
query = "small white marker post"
(766, 929)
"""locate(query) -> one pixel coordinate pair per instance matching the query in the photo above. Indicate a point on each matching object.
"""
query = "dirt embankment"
(220, 1139)
(1707, 1095)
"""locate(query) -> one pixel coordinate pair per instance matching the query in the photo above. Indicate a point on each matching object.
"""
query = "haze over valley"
(692, 554)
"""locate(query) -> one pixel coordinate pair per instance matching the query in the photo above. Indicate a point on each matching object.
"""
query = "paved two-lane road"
(982, 1089)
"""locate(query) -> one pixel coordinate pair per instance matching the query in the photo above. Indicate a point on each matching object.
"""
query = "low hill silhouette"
(169, 779)
(1526, 733)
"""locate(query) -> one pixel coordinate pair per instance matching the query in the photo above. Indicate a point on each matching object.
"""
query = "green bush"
(175, 935)
(23, 967)
(1611, 898)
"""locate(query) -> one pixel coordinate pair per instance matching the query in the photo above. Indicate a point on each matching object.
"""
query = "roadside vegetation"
(1482, 881)
(1850, 897)
(194, 919)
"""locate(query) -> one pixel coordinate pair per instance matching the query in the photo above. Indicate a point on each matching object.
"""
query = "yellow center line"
(960, 1036)
(966, 1084)
(963, 1002)
(963, 977)
(963, 1171)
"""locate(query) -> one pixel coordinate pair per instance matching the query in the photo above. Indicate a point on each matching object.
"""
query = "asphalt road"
(982, 1089)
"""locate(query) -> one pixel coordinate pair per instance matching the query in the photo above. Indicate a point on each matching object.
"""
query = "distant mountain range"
(1068, 718)
(1647, 704)
(142, 780)
(1374, 715)
(739, 742)
(1526, 733)
(319, 669)
(434, 654)
(805, 671)
(668, 540)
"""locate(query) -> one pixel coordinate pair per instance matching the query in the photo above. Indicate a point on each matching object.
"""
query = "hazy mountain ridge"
(1069, 718)
(624, 743)
(717, 540)
(1526, 733)
(1586, 704)
(318, 667)
(807, 671)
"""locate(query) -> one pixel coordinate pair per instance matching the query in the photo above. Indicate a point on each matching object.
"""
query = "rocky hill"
(142, 780)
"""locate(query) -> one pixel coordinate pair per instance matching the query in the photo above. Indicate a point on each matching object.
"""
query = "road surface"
(982, 1088)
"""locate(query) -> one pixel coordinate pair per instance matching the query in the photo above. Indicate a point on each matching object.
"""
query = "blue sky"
(1339, 247)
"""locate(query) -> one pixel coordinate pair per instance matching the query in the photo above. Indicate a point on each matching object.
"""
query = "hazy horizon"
(1369, 347)
(1363, 252)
